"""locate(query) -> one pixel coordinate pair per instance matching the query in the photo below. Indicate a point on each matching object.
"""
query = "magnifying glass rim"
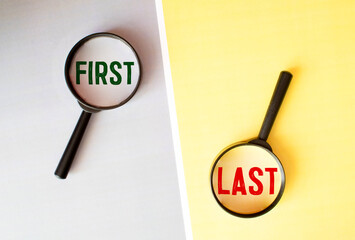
(273, 204)
(70, 58)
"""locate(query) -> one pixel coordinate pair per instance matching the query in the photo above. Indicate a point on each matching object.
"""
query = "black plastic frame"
(86, 106)
(277, 199)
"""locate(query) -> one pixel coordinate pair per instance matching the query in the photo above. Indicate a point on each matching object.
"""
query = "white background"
(123, 183)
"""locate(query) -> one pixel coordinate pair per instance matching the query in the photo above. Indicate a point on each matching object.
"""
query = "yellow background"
(225, 60)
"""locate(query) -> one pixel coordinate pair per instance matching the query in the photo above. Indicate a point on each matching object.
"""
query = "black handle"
(275, 103)
(73, 144)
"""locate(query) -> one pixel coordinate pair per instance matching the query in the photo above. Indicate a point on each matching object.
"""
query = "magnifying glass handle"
(73, 145)
(275, 103)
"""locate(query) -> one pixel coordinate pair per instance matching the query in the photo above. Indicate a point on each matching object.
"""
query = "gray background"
(123, 183)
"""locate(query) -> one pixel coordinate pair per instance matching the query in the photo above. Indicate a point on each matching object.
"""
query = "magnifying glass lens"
(104, 71)
(247, 179)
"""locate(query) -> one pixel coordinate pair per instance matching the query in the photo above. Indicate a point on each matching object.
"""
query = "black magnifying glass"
(103, 72)
(247, 179)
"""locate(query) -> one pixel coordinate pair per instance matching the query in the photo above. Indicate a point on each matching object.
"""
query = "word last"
(101, 70)
(239, 184)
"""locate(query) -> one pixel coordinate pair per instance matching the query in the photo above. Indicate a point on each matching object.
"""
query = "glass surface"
(247, 179)
(104, 71)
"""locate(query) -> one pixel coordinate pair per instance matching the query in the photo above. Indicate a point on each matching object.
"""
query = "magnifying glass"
(102, 71)
(247, 178)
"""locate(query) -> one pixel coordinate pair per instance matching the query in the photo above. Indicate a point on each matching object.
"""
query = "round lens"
(247, 180)
(102, 71)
